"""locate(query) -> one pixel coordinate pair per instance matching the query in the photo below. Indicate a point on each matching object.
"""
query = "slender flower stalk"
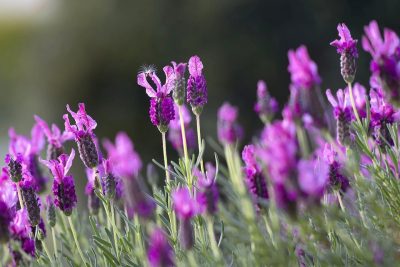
(199, 141)
(78, 246)
(183, 132)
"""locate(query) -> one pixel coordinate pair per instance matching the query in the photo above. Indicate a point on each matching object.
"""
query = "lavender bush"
(319, 186)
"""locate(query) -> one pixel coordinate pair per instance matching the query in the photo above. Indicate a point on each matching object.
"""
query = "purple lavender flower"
(196, 86)
(266, 106)
(160, 252)
(229, 131)
(124, 159)
(342, 112)
(110, 183)
(335, 177)
(186, 208)
(255, 179)
(385, 54)
(50, 211)
(30, 201)
(382, 115)
(347, 48)
(303, 71)
(63, 185)
(5, 220)
(23, 156)
(55, 138)
(8, 190)
(20, 227)
(207, 196)
(313, 177)
(136, 198)
(178, 92)
(161, 104)
(93, 200)
(84, 136)
(175, 133)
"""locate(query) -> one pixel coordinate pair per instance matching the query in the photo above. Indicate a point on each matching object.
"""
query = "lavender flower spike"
(208, 195)
(196, 86)
(347, 48)
(161, 104)
(160, 252)
(83, 132)
(178, 93)
(63, 186)
(342, 112)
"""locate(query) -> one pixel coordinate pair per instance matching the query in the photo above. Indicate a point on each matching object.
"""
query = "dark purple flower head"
(303, 71)
(229, 131)
(161, 104)
(55, 138)
(184, 205)
(125, 161)
(84, 136)
(30, 200)
(255, 179)
(313, 177)
(385, 58)
(196, 85)
(160, 252)
(346, 42)
(335, 178)
(266, 106)
(207, 197)
(63, 187)
(179, 84)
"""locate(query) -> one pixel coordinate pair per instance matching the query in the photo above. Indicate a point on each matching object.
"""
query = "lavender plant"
(305, 191)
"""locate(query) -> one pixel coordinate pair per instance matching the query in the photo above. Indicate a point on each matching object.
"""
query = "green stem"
(21, 203)
(183, 132)
(114, 226)
(353, 104)
(211, 237)
(191, 258)
(53, 233)
(76, 240)
(47, 252)
(164, 144)
(199, 142)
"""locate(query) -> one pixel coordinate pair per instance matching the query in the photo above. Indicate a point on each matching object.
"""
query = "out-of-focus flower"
(160, 252)
(266, 106)
(313, 177)
(385, 62)
(347, 48)
(5, 220)
(93, 200)
(84, 135)
(55, 138)
(335, 177)
(207, 196)
(382, 115)
(63, 185)
(196, 86)
(229, 131)
(125, 161)
(50, 211)
(303, 71)
(161, 104)
(20, 227)
(342, 111)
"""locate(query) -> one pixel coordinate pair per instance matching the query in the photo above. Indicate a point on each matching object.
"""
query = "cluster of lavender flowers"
(290, 198)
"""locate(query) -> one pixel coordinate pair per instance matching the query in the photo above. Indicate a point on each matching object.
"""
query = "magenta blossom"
(55, 138)
(63, 186)
(20, 226)
(184, 205)
(207, 197)
(161, 104)
(229, 131)
(346, 43)
(313, 177)
(303, 71)
(335, 178)
(160, 252)
(385, 62)
(84, 135)
(179, 90)
(124, 159)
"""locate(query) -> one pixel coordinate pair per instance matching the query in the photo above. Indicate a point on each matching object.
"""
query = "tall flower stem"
(353, 104)
(199, 142)
(211, 237)
(183, 132)
(164, 144)
(21, 203)
(72, 227)
(191, 258)
(48, 253)
(53, 234)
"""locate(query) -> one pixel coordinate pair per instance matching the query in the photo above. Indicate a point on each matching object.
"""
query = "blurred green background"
(55, 52)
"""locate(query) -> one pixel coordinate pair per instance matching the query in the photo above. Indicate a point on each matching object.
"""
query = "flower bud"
(88, 151)
(31, 203)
